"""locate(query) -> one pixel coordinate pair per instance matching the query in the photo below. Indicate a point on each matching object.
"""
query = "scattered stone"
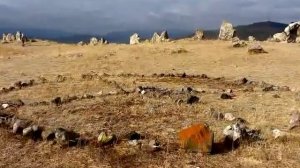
(227, 31)
(229, 117)
(199, 34)
(226, 96)
(134, 39)
(15, 103)
(197, 138)
(215, 114)
(192, 100)
(256, 48)
(295, 119)
(276, 96)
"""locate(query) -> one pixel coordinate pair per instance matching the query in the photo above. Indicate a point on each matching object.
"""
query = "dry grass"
(154, 114)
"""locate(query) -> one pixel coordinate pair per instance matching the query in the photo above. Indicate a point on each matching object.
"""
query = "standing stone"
(93, 41)
(10, 37)
(80, 43)
(227, 32)
(155, 38)
(134, 39)
(18, 36)
(3, 38)
(102, 41)
(199, 35)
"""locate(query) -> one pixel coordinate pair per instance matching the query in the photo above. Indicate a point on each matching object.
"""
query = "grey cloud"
(102, 16)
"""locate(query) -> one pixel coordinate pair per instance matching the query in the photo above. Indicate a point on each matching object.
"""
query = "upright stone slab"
(227, 32)
(134, 39)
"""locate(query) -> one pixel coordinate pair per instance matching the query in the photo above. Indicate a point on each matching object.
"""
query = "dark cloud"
(102, 16)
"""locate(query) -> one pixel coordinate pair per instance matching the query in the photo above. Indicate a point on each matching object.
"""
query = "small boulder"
(80, 43)
(278, 134)
(197, 138)
(256, 48)
(236, 43)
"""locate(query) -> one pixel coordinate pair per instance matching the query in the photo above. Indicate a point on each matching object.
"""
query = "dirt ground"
(111, 73)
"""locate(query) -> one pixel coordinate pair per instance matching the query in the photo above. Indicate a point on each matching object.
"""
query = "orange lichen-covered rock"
(197, 138)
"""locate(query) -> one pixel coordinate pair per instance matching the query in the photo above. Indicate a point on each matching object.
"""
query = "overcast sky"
(102, 16)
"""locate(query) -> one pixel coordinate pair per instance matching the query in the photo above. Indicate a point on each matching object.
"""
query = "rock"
(57, 101)
(241, 81)
(215, 114)
(229, 117)
(239, 131)
(251, 39)
(4, 38)
(199, 34)
(19, 125)
(105, 139)
(18, 37)
(15, 103)
(192, 100)
(292, 31)
(226, 31)
(155, 38)
(93, 41)
(160, 38)
(197, 138)
(236, 43)
(226, 96)
(280, 37)
(134, 39)
(277, 134)
(295, 119)
(10, 37)
(154, 145)
(66, 137)
(256, 48)
(4, 106)
(81, 43)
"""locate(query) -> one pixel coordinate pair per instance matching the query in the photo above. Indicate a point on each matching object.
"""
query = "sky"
(104, 16)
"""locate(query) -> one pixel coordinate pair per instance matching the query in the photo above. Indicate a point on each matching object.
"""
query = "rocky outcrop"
(279, 37)
(163, 37)
(134, 39)
(227, 32)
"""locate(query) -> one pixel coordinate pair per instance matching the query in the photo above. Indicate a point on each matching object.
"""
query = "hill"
(260, 30)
